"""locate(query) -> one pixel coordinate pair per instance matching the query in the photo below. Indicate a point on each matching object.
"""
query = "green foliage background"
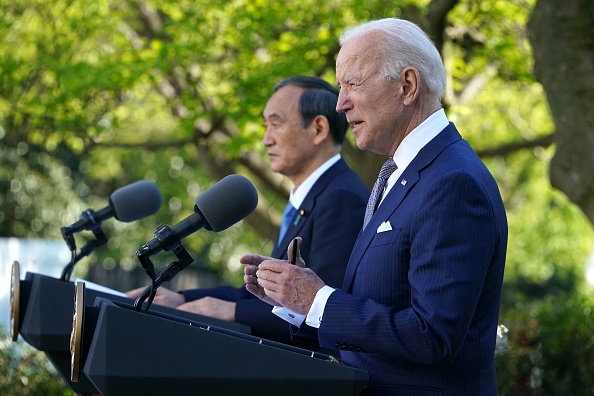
(97, 94)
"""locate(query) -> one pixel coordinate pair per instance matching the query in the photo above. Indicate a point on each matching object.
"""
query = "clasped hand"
(280, 283)
(208, 306)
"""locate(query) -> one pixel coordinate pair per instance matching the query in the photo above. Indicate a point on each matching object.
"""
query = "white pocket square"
(385, 226)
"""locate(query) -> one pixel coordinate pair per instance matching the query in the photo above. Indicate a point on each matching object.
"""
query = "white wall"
(41, 256)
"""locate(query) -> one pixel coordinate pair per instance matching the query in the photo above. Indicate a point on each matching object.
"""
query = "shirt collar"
(299, 194)
(418, 138)
(413, 143)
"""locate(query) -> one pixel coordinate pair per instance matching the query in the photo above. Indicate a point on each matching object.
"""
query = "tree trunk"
(562, 37)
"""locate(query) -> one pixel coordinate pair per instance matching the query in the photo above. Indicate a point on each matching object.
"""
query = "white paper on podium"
(101, 288)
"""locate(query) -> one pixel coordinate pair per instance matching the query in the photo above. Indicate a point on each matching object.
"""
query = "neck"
(319, 160)
(422, 110)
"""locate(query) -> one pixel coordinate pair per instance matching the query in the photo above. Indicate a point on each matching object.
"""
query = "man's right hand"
(250, 279)
(164, 297)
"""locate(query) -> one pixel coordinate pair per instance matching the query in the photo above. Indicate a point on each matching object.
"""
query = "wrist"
(182, 298)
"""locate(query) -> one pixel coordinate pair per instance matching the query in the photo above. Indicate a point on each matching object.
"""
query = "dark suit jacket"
(419, 304)
(333, 215)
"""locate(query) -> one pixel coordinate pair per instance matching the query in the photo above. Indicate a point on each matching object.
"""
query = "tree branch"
(150, 146)
(436, 16)
(509, 148)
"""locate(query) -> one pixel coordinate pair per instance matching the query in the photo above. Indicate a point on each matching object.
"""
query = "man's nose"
(343, 104)
(267, 140)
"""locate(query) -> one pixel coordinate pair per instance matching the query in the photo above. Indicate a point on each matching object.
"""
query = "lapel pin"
(301, 214)
(403, 182)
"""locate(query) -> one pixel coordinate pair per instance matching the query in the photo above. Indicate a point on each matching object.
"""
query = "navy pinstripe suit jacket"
(419, 304)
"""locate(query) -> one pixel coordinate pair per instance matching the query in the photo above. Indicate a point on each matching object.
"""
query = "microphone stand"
(170, 241)
(88, 248)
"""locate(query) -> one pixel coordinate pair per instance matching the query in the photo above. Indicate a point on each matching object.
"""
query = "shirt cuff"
(288, 316)
(316, 312)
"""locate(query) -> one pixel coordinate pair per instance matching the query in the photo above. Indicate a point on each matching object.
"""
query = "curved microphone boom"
(224, 204)
(129, 203)
(218, 208)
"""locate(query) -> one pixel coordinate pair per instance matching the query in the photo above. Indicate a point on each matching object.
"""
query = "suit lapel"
(396, 195)
(307, 206)
(384, 211)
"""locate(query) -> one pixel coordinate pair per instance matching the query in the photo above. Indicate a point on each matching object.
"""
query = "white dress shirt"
(298, 195)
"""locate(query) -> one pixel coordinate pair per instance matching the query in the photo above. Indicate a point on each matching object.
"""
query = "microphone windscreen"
(135, 201)
(227, 202)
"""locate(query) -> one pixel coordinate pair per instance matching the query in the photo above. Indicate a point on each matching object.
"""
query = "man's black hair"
(318, 98)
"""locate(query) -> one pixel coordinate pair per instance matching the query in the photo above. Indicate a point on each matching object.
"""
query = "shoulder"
(340, 177)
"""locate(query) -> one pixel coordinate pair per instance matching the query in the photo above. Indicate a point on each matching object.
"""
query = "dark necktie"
(378, 189)
(288, 216)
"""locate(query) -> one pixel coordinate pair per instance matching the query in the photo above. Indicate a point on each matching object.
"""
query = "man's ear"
(321, 128)
(410, 80)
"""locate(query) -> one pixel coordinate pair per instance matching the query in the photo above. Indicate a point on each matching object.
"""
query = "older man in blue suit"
(419, 303)
(304, 136)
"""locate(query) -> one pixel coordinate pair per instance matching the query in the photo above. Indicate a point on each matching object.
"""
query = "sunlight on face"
(372, 103)
(288, 143)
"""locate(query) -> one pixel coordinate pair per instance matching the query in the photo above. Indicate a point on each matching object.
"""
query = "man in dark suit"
(419, 303)
(304, 136)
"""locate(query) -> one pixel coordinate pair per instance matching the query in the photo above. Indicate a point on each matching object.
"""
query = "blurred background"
(95, 95)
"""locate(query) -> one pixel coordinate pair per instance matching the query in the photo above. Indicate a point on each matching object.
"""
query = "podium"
(42, 313)
(153, 353)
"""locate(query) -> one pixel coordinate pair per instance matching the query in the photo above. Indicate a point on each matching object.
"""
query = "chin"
(361, 144)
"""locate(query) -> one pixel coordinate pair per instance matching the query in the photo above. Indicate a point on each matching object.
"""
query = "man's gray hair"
(404, 45)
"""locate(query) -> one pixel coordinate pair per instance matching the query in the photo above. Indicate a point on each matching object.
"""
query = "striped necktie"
(378, 189)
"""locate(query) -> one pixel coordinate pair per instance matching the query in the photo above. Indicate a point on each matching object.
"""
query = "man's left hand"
(293, 287)
(213, 307)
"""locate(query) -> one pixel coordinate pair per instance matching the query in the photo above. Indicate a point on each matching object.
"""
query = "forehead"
(283, 102)
(359, 54)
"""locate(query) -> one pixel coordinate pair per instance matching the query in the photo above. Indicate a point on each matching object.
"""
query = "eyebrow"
(275, 116)
(347, 79)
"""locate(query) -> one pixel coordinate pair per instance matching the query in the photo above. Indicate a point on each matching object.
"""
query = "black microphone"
(129, 203)
(225, 203)
(218, 208)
